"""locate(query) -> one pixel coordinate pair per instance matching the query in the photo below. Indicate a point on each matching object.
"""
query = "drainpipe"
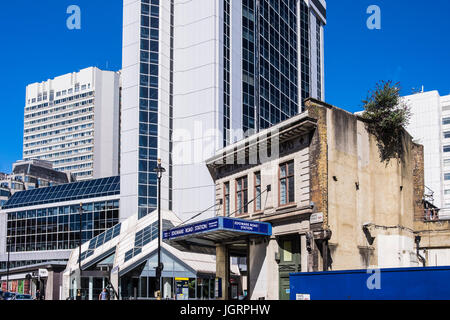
(422, 259)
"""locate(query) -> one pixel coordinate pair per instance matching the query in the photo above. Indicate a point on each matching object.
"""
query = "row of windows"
(77, 88)
(278, 62)
(304, 42)
(100, 240)
(39, 106)
(66, 192)
(59, 132)
(83, 174)
(75, 97)
(59, 124)
(18, 264)
(77, 167)
(150, 10)
(248, 64)
(226, 75)
(44, 95)
(59, 227)
(319, 59)
(59, 109)
(58, 147)
(63, 154)
(286, 191)
(62, 115)
(148, 107)
(59, 139)
(142, 238)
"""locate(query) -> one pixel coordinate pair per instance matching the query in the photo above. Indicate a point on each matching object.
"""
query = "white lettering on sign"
(301, 296)
(177, 232)
(43, 273)
(201, 227)
(316, 218)
(246, 225)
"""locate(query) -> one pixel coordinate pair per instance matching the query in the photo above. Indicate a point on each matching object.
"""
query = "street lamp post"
(159, 170)
(7, 264)
(80, 211)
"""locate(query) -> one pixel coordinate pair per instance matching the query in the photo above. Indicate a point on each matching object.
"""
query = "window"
(287, 251)
(286, 184)
(447, 177)
(242, 195)
(446, 121)
(446, 148)
(257, 191)
(447, 135)
(446, 162)
(226, 199)
(447, 192)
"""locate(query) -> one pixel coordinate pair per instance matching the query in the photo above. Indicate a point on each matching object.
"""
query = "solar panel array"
(100, 240)
(66, 192)
(144, 237)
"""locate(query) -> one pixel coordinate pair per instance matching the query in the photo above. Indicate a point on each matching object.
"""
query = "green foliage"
(386, 116)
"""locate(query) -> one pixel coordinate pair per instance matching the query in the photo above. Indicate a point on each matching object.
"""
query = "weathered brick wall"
(419, 181)
(319, 160)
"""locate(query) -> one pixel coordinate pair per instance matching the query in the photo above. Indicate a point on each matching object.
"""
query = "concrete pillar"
(223, 268)
(303, 253)
(48, 294)
(114, 279)
(91, 288)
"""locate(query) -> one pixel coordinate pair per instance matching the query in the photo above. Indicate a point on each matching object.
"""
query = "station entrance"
(230, 240)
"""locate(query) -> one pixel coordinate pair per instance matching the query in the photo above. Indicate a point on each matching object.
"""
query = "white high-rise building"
(73, 122)
(199, 75)
(430, 126)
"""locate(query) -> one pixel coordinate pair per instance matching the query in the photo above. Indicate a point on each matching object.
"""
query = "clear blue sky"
(412, 47)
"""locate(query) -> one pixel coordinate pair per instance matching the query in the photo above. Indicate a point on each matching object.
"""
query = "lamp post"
(7, 264)
(159, 170)
(80, 212)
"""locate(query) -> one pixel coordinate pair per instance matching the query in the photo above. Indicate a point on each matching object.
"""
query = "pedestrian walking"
(104, 295)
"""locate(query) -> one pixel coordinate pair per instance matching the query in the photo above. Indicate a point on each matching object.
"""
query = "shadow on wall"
(256, 264)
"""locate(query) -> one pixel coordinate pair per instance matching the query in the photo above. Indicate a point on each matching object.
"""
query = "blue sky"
(412, 47)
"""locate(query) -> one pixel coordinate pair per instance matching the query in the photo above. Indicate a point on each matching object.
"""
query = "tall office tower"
(430, 126)
(199, 75)
(73, 122)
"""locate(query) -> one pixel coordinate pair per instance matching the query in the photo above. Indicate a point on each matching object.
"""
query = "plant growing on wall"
(387, 115)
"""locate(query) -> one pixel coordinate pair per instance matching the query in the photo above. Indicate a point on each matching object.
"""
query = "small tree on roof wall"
(387, 115)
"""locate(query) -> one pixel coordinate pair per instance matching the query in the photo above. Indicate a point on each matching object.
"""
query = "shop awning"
(203, 236)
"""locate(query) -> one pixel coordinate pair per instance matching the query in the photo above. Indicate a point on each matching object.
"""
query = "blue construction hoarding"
(430, 283)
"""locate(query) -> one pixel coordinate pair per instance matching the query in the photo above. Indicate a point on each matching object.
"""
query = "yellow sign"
(181, 279)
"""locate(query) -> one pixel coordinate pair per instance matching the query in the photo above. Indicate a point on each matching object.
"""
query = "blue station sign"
(219, 224)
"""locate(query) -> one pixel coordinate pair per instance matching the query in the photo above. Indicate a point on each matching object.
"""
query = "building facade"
(332, 203)
(41, 227)
(125, 262)
(199, 75)
(430, 126)
(29, 175)
(73, 122)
